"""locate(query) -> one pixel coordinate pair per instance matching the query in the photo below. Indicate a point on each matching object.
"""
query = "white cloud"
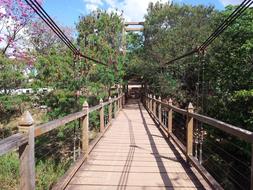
(92, 5)
(111, 3)
(231, 2)
(134, 10)
(96, 2)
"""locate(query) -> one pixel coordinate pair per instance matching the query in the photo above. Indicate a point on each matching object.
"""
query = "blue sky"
(66, 12)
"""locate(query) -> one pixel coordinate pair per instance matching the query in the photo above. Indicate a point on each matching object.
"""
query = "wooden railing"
(24, 140)
(155, 107)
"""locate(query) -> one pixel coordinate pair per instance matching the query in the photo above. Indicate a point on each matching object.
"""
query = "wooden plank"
(44, 128)
(117, 159)
(189, 130)
(95, 108)
(160, 110)
(134, 29)
(134, 23)
(64, 180)
(115, 107)
(178, 143)
(174, 108)
(128, 187)
(13, 142)
(170, 118)
(26, 154)
(101, 116)
(228, 128)
(212, 182)
(178, 110)
(85, 129)
(188, 150)
(110, 111)
(251, 169)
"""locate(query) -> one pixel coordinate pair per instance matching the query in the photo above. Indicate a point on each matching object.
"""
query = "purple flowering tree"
(15, 15)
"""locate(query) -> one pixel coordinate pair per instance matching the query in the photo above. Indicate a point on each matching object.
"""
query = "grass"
(53, 153)
(9, 171)
(47, 172)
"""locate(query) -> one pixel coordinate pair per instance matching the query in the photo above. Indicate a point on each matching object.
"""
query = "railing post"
(120, 102)
(189, 126)
(170, 118)
(85, 129)
(115, 107)
(26, 153)
(119, 106)
(150, 102)
(110, 110)
(102, 116)
(154, 105)
(147, 102)
(124, 99)
(251, 185)
(160, 109)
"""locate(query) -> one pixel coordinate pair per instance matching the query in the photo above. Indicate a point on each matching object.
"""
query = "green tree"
(100, 37)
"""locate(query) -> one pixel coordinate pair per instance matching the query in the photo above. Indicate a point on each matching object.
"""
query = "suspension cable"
(39, 7)
(219, 30)
(56, 29)
(228, 21)
(50, 26)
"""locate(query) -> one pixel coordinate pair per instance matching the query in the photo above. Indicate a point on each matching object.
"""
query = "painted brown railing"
(25, 138)
(155, 106)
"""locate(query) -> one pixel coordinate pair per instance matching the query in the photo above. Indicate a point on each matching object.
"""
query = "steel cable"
(53, 26)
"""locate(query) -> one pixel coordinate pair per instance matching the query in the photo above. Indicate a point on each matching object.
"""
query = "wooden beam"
(160, 109)
(26, 153)
(227, 128)
(189, 132)
(85, 129)
(102, 116)
(134, 29)
(170, 118)
(110, 110)
(13, 142)
(134, 23)
(44, 128)
(115, 107)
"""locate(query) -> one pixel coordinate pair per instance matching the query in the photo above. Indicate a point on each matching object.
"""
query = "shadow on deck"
(135, 154)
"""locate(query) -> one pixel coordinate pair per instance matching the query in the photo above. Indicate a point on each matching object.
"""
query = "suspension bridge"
(146, 143)
(137, 147)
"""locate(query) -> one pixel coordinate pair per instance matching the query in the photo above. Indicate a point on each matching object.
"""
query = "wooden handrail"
(225, 127)
(13, 142)
(44, 128)
(150, 103)
(24, 140)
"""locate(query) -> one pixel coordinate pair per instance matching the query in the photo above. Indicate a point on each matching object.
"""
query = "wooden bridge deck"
(133, 154)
